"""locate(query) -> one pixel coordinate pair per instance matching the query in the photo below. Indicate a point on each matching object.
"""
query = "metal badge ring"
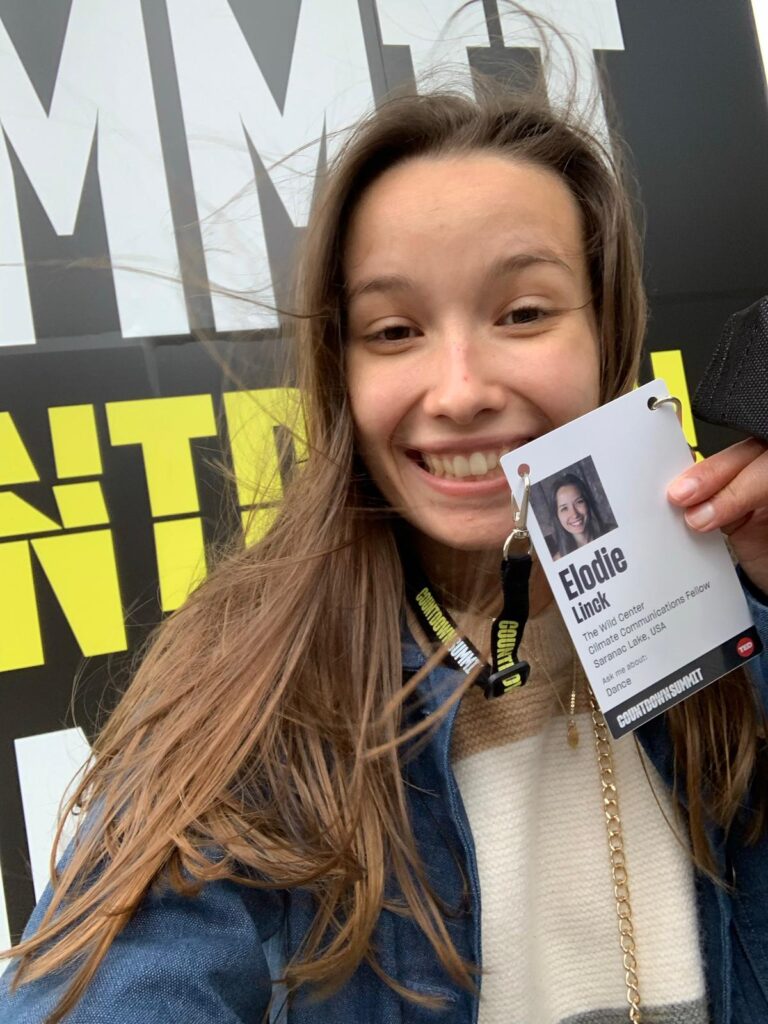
(520, 531)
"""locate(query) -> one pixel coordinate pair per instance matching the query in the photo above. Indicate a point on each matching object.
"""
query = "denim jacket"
(212, 958)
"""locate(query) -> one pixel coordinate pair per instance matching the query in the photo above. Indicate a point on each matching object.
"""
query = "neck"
(463, 579)
(469, 580)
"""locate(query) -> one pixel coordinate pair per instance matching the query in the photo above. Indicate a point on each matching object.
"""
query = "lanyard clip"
(500, 682)
(520, 532)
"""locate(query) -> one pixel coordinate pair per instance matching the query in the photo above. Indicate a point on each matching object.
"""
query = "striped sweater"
(549, 928)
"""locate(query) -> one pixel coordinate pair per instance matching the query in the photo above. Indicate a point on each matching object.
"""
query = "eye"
(528, 314)
(392, 333)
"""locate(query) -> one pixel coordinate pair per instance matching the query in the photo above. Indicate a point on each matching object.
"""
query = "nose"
(463, 381)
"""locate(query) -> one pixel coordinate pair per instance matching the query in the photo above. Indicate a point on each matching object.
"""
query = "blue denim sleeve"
(191, 960)
(758, 606)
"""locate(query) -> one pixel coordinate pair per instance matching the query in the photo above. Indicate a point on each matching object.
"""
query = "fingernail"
(700, 516)
(683, 488)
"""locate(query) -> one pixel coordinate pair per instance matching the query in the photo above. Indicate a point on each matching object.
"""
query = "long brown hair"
(264, 721)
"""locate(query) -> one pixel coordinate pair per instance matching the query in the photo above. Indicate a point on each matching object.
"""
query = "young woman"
(574, 514)
(273, 822)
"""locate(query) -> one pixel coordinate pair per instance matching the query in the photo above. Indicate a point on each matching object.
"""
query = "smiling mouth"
(478, 465)
(576, 524)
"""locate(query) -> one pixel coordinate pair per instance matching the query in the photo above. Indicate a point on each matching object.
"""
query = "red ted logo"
(745, 646)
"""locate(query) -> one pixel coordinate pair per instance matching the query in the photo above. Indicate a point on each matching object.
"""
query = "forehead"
(481, 204)
(568, 492)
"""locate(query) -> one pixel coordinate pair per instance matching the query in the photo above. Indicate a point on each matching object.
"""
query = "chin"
(473, 546)
(472, 538)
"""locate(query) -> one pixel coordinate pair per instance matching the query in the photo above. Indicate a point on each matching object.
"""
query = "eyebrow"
(499, 268)
(510, 264)
(381, 285)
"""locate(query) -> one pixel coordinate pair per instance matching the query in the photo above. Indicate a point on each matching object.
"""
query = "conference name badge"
(655, 611)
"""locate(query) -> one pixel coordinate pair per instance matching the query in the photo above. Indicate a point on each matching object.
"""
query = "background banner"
(151, 145)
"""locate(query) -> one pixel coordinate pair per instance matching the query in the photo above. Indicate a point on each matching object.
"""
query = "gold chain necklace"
(617, 859)
(614, 832)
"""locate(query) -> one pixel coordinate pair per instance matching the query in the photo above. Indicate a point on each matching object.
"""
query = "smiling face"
(470, 330)
(572, 510)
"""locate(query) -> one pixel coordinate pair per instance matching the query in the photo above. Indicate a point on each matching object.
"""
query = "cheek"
(358, 397)
(584, 372)
(384, 393)
(565, 383)
(366, 416)
(583, 392)
(373, 409)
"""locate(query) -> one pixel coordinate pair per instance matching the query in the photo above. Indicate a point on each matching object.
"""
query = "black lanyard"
(506, 672)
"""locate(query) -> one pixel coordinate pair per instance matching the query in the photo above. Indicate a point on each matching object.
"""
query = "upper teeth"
(476, 464)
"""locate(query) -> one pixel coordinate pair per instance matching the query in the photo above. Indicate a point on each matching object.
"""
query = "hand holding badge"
(654, 607)
(729, 491)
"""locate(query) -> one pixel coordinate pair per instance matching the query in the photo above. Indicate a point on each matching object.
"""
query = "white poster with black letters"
(655, 611)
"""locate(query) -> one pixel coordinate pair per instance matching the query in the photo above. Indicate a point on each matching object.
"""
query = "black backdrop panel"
(687, 90)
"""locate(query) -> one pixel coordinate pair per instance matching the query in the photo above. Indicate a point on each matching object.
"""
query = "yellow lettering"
(180, 549)
(81, 567)
(75, 441)
(21, 644)
(20, 519)
(164, 427)
(252, 418)
(82, 571)
(257, 522)
(81, 504)
(16, 467)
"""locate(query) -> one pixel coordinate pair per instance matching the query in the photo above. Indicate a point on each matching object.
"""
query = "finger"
(706, 478)
(729, 528)
(741, 496)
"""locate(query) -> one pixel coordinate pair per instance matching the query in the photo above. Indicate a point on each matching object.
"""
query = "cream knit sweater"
(549, 928)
